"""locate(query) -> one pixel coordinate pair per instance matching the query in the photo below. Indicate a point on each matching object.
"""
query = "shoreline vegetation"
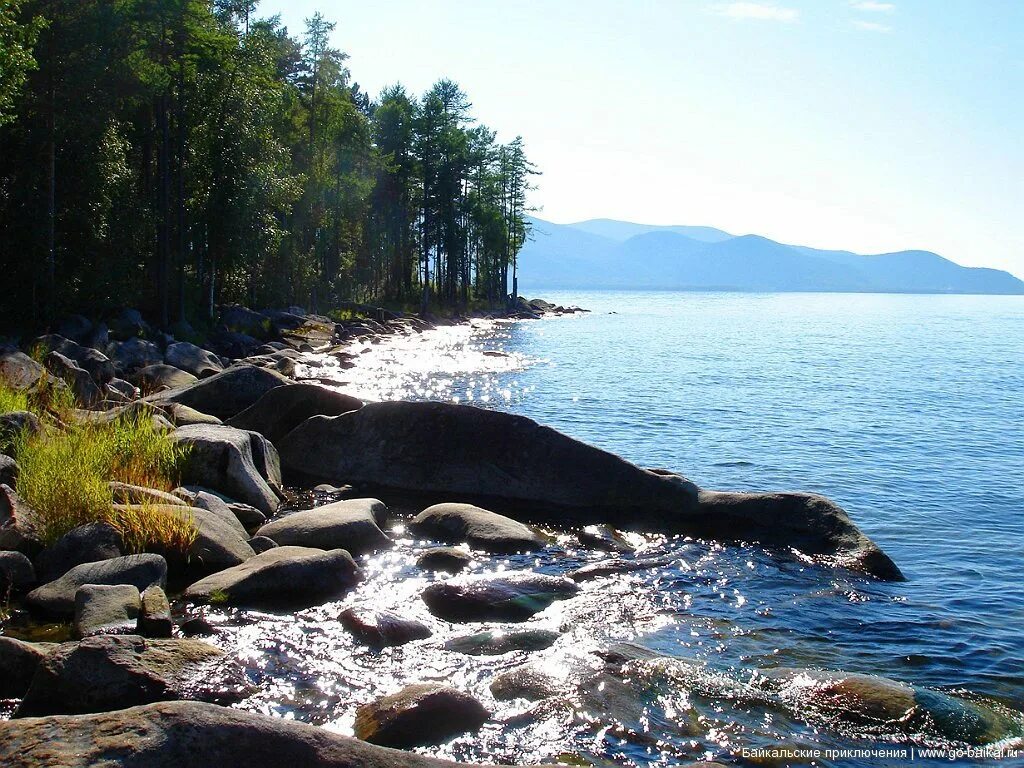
(208, 455)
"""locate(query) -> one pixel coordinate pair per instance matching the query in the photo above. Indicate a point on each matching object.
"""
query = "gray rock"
(16, 423)
(160, 377)
(246, 514)
(283, 577)
(128, 324)
(19, 371)
(181, 415)
(612, 567)
(242, 465)
(98, 365)
(227, 393)
(213, 502)
(131, 355)
(187, 733)
(446, 559)
(20, 527)
(125, 389)
(381, 629)
(350, 525)
(498, 643)
(16, 574)
(9, 471)
(123, 493)
(106, 609)
(515, 597)
(239, 319)
(155, 614)
(480, 528)
(603, 537)
(282, 409)
(419, 715)
(88, 543)
(84, 388)
(57, 598)
(117, 671)
(528, 471)
(18, 662)
(76, 328)
(197, 361)
(262, 544)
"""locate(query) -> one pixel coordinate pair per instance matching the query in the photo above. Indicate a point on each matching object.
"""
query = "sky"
(865, 125)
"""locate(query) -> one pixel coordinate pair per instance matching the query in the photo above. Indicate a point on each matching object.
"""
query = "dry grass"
(145, 528)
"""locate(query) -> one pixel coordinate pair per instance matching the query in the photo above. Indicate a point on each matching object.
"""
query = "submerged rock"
(282, 409)
(498, 643)
(514, 597)
(186, 733)
(611, 567)
(538, 474)
(283, 577)
(113, 672)
(447, 559)
(57, 598)
(242, 465)
(419, 715)
(480, 528)
(381, 629)
(350, 525)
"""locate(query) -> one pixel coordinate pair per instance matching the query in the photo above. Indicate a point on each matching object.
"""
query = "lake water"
(907, 410)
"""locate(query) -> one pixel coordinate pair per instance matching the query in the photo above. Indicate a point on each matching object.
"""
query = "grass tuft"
(12, 400)
(145, 528)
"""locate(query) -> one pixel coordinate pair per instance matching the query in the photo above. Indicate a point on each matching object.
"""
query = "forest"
(174, 155)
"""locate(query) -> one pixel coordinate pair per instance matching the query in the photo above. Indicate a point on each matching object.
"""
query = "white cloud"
(873, 6)
(761, 11)
(870, 26)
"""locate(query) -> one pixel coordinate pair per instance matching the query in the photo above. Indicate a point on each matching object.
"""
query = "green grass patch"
(12, 400)
(148, 528)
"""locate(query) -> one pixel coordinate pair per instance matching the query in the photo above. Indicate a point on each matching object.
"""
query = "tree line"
(178, 154)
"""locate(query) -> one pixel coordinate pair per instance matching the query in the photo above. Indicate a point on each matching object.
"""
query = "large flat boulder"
(480, 528)
(57, 598)
(350, 525)
(533, 473)
(282, 577)
(227, 393)
(242, 465)
(113, 672)
(186, 733)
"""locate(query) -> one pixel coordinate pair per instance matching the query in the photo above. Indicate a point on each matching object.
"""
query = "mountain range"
(603, 253)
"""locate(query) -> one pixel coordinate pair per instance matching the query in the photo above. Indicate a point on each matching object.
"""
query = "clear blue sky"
(868, 125)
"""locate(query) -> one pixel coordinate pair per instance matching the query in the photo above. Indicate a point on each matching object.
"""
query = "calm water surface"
(907, 410)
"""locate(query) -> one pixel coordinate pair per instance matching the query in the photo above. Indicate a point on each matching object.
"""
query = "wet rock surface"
(515, 597)
(419, 714)
(352, 525)
(477, 527)
(57, 598)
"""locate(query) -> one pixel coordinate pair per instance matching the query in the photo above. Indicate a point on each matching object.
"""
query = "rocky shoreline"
(291, 487)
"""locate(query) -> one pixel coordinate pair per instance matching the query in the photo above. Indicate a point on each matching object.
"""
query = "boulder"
(15, 423)
(123, 389)
(57, 598)
(188, 733)
(155, 613)
(106, 609)
(381, 629)
(233, 345)
(282, 409)
(131, 355)
(513, 597)
(350, 525)
(18, 662)
(617, 565)
(446, 559)
(498, 643)
(160, 377)
(480, 528)
(419, 715)
(202, 499)
(85, 390)
(261, 544)
(242, 465)
(128, 324)
(75, 327)
(246, 514)
(181, 415)
(195, 360)
(18, 370)
(283, 577)
(517, 467)
(9, 471)
(123, 493)
(117, 671)
(225, 394)
(20, 527)
(16, 574)
(98, 365)
(88, 543)
(241, 319)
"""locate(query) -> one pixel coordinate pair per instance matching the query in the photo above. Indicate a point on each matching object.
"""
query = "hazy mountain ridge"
(603, 253)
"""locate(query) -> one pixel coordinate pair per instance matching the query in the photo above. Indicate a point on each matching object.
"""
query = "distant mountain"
(602, 253)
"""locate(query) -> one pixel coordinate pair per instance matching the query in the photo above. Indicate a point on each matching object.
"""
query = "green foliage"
(203, 156)
(12, 400)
